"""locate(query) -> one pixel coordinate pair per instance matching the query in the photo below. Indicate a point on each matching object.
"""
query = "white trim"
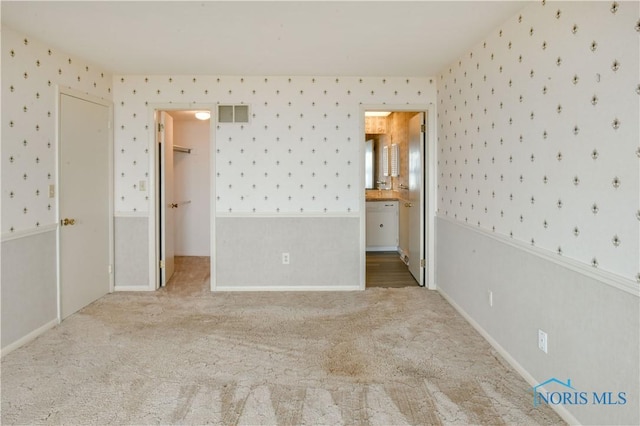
(424, 231)
(86, 97)
(131, 214)
(287, 288)
(621, 283)
(431, 196)
(289, 215)
(213, 268)
(403, 255)
(363, 199)
(383, 248)
(559, 409)
(57, 199)
(29, 337)
(152, 187)
(112, 201)
(133, 288)
(24, 233)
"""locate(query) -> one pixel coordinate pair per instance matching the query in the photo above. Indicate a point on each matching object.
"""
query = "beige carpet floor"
(185, 356)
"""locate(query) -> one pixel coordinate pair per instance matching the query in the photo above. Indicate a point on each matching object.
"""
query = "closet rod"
(181, 149)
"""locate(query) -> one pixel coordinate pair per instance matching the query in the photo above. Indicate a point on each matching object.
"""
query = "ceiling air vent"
(233, 113)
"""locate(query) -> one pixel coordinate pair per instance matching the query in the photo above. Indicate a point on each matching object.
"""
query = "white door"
(84, 204)
(167, 202)
(416, 204)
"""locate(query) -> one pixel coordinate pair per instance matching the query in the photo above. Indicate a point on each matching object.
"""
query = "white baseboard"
(403, 256)
(29, 337)
(133, 288)
(287, 288)
(560, 409)
(385, 248)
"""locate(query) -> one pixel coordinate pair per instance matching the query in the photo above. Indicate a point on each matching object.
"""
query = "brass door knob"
(68, 222)
(408, 205)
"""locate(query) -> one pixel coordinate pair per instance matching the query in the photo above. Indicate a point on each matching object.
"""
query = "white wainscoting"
(132, 253)
(324, 253)
(592, 325)
(29, 286)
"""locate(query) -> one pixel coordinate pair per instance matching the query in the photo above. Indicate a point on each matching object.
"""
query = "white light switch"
(143, 185)
(542, 341)
(52, 191)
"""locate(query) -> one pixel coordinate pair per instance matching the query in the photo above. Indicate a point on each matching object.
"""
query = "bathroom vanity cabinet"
(382, 225)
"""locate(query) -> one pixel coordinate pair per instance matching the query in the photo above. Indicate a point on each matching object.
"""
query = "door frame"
(65, 90)
(428, 187)
(154, 186)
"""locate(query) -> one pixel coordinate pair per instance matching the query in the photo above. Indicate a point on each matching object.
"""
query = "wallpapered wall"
(538, 133)
(298, 153)
(30, 72)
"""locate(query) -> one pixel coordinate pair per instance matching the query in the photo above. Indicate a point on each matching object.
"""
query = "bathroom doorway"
(395, 148)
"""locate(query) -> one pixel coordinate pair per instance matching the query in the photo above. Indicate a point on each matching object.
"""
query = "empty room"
(310, 212)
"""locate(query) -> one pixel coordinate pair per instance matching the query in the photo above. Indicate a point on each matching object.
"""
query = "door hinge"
(423, 263)
(160, 127)
(162, 264)
(423, 128)
(110, 269)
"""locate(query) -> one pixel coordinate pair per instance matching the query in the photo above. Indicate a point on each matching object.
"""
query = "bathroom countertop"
(384, 195)
(382, 199)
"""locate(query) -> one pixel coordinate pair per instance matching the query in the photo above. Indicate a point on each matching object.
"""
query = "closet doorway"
(85, 235)
(183, 194)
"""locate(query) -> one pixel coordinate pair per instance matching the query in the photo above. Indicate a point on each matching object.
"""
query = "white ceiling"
(358, 38)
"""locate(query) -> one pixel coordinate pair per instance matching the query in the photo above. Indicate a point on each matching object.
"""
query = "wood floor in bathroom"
(385, 269)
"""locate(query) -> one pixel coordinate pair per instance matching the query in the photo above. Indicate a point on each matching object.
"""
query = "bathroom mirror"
(381, 162)
(369, 164)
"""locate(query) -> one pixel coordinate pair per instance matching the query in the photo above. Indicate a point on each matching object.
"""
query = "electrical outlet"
(542, 341)
(490, 294)
(285, 258)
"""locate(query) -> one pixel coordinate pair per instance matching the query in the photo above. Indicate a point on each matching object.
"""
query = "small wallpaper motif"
(538, 135)
(299, 153)
(30, 73)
